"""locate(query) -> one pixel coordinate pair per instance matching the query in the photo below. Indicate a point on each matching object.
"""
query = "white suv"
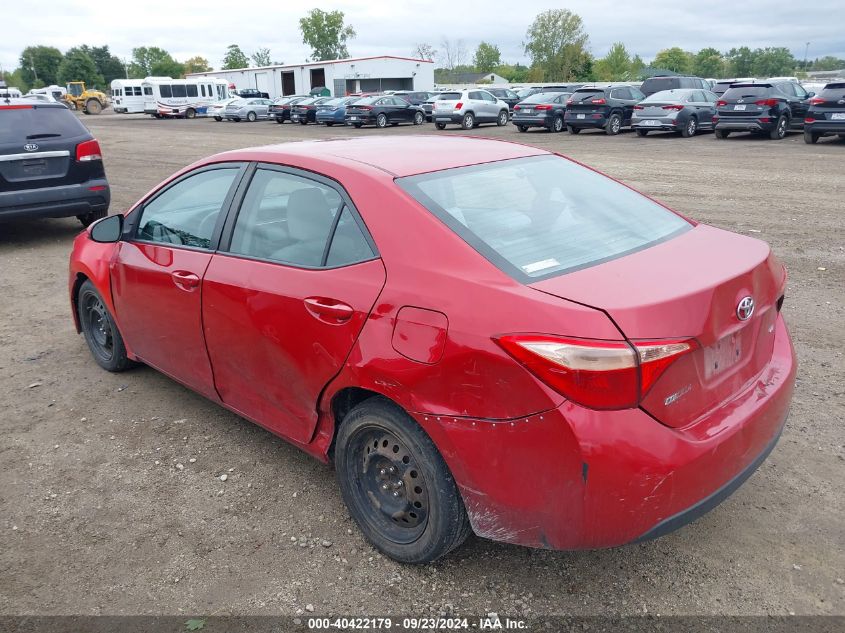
(469, 108)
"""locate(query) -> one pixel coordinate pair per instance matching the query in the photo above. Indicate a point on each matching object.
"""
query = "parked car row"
(680, 105)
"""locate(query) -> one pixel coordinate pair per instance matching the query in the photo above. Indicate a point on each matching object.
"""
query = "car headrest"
(309, 214)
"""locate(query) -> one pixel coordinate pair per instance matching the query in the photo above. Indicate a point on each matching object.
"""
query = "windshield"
(543, 216)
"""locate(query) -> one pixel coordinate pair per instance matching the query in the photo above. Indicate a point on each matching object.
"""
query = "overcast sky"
(192, 27)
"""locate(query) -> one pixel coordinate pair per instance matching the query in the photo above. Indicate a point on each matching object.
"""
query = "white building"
(340, 76)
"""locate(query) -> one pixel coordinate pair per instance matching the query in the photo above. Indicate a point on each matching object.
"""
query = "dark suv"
(826, 114)
(660, 83)
(608, 108)
(50, 165)
(251, 93)
(771, 108)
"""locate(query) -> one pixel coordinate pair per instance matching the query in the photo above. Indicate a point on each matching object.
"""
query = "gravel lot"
(96, 518)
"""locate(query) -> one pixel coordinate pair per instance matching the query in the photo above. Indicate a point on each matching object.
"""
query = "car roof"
(399, 156)
(30, 103)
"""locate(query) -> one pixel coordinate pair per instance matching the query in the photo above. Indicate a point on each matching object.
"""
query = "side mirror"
(810, 94)
(107, 230)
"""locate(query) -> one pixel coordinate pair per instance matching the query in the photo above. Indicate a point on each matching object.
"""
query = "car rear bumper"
(825, 127)
(744, 124)
(359, 119)
(56, 202)
(531, 121)
(574, 478)
(572, 120)
(661, 124)
(443, 117)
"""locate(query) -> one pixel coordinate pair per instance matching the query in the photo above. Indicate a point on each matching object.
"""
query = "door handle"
(323, 307)
(185, 280)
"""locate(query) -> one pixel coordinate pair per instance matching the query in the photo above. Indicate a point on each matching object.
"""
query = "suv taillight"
(721, 103)
(599, 101)
(766, 102)
(816, 101)
(595, 374)
(88, 151)
(459, 105)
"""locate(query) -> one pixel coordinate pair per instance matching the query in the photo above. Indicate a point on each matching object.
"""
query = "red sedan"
(481, 336)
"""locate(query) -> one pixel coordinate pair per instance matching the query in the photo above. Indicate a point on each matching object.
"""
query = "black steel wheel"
(396, 485)
(100, 331)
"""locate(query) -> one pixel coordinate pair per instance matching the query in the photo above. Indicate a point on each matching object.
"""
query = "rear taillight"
(809, 119)
(595, 374)
(543, 107)
(88, 151)
(516, 107)
(721, 102)
(459, 105)
(766, 102)
(816, 101)
(639, 108)
(673, 107)
(569, 102)
(600, 101)
(364, 107)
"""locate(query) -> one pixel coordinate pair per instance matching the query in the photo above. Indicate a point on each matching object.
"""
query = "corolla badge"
(745, 309)
(30, 147)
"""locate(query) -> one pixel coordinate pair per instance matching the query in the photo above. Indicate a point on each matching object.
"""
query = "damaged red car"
(480, 336)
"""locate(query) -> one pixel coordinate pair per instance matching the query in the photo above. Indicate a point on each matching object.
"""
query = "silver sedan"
(248, 109)
(684, 110)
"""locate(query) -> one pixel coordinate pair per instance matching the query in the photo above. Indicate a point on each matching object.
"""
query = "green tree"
(557, 44)
(108, 65)
(234, 58)
(326, 34)
(40, 65)
(829, 62)
(78, 66)
(516, 73)
(261, 57)
(708, 62)
(197, 64)
(740, 62)
(14, 79)
(637, 66)
(773, 62)
(153, 61)
(674, 59)
(614, 66)
(487, 57)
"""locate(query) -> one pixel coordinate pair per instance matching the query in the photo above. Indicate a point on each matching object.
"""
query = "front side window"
(289, 219)
(186, 213)
(166, 91)
(542, 216)
(179, 90)
(148, 91)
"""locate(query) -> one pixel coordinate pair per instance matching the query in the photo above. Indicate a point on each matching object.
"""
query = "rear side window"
(165, 91)
(185, 214)
(192, 90)
(540, 217)
(290, 219)
(179, 90)
(31, 124)
(148, 91)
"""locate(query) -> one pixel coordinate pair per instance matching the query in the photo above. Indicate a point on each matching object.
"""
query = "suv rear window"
(741, 92)
(30, 124)
(540, 217)
(449, 96)
(834, 91)
(579, 96)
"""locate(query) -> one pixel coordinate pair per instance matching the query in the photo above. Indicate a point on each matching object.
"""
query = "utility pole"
(806, 48)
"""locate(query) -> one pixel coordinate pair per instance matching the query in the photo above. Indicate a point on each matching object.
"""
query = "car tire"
(574, 130)
(613, 125)
(329, 124)
(100, 331)
(642, 133)
(236, 119)
(522, 128)
(811, 138)
(779, 131)
(690, 128)
(419, 118)
(557, 125)
(381, 120)
(412, 513)
(468, 122)
(92, 106)
(220, 118)
(502, 119)
(358, 125)
(190, 113)
(440, 126)
(721, 133)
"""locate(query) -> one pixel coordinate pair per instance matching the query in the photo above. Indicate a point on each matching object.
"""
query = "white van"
(127, 96)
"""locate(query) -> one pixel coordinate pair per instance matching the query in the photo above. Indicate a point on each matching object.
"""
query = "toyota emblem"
(745, 309)
(30, 147)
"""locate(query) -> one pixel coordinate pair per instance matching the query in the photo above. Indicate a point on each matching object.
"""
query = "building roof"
(348, 60)
(398, 156)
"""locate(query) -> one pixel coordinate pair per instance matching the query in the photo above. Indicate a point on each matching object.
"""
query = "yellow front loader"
(89, 101)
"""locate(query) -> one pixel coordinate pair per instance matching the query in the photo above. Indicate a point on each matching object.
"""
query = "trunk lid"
(689, 287)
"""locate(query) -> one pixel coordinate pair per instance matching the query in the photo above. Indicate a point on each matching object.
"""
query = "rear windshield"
(742, 92)
(541, 97)
(655, 84)
(836, 91)
(38, 122)
(540, 217)
(449, 96)
(667, 95)
(585, 95)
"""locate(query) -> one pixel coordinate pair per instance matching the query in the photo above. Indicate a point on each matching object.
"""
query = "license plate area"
(651, 122)
(739, 107)
(581, 116)
(722, 355)
(837, 116)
